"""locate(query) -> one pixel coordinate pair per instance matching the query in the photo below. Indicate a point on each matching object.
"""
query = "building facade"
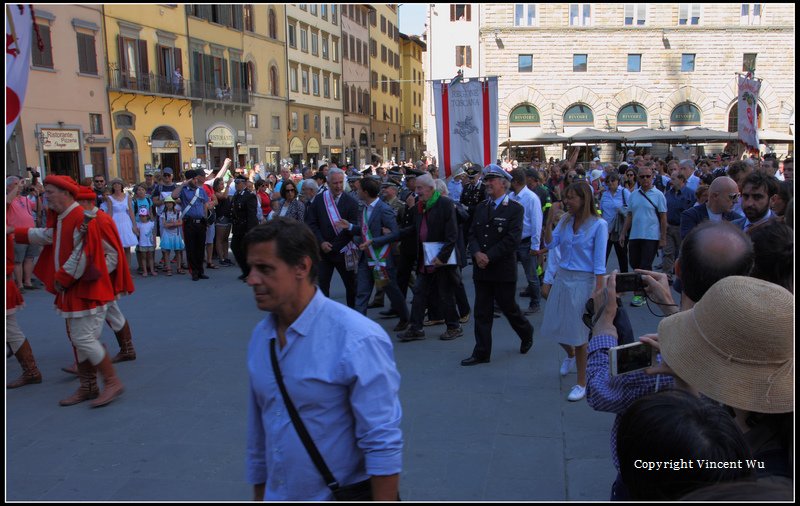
(264, 49)
(316, 118)
(74, 140)
(452, 39)
(356, 82)
(412, 79)
(150, 106)
(564, 67)
(385, 82)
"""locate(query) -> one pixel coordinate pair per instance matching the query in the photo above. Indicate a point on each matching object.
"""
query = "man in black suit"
(244, 216)
(327, 209)
(495, 236)
(434, 219)
(722, 195)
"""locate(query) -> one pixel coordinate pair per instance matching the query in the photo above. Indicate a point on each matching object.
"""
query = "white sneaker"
(577, 393)
(567, 365)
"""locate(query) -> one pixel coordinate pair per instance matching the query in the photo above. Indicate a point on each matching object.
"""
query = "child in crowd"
(170, 234)
(147, 242)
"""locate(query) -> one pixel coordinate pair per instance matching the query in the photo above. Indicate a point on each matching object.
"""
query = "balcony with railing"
(158, 85)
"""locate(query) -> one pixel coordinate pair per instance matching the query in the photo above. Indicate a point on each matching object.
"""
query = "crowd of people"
(723, 229)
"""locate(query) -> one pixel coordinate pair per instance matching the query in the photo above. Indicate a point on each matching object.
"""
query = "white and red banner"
(19, 32)
(748, 105)
(466, 123)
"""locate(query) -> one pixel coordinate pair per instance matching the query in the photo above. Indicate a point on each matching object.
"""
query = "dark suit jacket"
(319, 223)
(442, 227)
(693, 216)
(383, 216)
(244, 212)
(498, 236)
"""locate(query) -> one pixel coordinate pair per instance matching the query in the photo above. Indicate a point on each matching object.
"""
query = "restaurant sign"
(60, 140)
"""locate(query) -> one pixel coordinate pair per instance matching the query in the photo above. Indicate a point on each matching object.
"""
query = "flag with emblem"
(466, 122)
(19, 30)
(747, 109)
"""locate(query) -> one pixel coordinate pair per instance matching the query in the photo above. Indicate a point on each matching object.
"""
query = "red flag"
(19, 30)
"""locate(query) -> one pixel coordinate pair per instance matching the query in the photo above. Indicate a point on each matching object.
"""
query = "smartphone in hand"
(629, 358)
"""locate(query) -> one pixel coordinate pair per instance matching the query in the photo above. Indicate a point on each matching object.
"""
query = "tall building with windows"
(617, 67)
(356, 96)
(316, 119)
(412, 80)
(264, 49)
(65, 127)
(452, 37)
(385, 81)
(221, 81)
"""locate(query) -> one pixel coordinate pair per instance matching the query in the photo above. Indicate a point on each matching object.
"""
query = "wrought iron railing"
(163, 85)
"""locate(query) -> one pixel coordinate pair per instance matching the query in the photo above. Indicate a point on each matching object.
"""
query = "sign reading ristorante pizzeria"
(60, 140)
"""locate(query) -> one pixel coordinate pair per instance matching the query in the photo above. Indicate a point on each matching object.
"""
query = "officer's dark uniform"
(473, 194)
(497, 233)
(408, 245)
(243, 217)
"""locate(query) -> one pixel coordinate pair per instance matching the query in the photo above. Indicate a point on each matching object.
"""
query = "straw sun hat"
(736, 345)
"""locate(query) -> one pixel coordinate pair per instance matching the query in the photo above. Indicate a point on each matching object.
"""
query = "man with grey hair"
(434, 221)
(687, 169)
(20, 213)
(337, 249)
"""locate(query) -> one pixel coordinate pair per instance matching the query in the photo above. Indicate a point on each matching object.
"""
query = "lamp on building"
(664, 39)
(190, 142)
(148, 140)
(496, 34)
(210, 144)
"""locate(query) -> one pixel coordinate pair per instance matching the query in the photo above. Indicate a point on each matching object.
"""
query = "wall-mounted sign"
(296, 146)
(60, 140)
(526, 114)
(221, 137)
(632, 114)
(166, 144)
(579, 114)
(313, 145)
(685, 114)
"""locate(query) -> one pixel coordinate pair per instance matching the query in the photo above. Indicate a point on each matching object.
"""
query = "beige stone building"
(385, 81)
(356, 85)
(412, 79)
(73, 140)
(564, 67)
(316, 118)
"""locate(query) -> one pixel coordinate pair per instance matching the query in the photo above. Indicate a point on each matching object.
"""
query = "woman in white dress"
(120, 209)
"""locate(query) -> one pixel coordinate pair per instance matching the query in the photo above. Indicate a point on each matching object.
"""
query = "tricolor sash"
(377, 260)
(350, 250)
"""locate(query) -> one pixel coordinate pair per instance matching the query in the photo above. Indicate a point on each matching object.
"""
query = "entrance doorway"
(98, 156)
(63, 163)
(127, 162)
(217, 157)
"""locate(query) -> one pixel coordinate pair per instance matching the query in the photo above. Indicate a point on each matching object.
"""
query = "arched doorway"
(127, 160)
(166, 146)
(733, 118)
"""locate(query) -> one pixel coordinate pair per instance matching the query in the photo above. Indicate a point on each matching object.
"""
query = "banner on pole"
(748, 106)
(19, 30)
(467, 122)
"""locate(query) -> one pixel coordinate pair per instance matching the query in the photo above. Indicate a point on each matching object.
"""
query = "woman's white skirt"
(565, 307)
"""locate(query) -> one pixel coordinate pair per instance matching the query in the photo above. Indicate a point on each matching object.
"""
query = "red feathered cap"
(63, 182)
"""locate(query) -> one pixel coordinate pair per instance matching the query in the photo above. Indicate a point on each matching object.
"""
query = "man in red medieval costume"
(81, 284)
(117, 265)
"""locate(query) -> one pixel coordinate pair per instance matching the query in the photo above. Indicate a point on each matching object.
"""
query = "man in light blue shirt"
(647, 223)
(531, 235)
(339, 371)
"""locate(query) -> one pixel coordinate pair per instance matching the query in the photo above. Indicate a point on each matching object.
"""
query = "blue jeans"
(529, 265)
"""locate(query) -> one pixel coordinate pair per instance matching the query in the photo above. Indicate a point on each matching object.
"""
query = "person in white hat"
(736, 346)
